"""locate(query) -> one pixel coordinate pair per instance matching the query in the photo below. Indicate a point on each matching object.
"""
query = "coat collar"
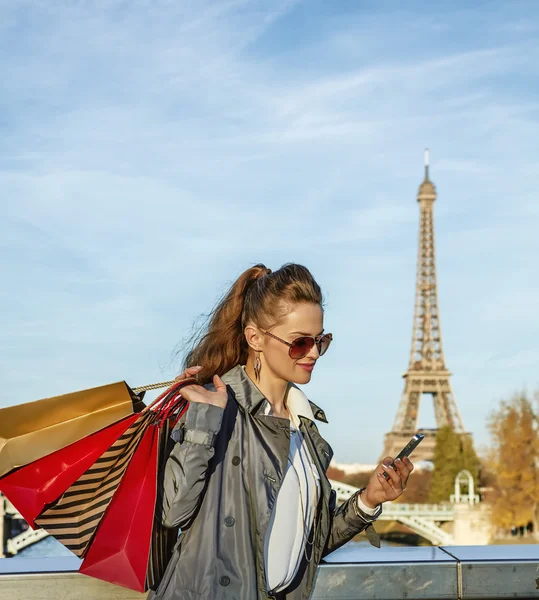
(250, 398)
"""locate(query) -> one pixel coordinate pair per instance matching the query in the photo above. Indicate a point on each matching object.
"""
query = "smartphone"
(407, 450)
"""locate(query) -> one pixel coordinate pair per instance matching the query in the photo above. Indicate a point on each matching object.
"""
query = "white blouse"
(292, 517)
(293, 514)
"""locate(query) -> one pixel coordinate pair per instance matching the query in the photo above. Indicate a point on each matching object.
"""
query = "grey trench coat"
(220, 485)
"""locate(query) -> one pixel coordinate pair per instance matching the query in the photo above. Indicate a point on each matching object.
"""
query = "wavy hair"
(259, 296)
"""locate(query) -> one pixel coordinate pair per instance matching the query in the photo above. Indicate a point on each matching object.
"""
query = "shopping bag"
(42, 482)
(132, 547)
(35, 429)
(163, 538)
(120, 551)
(73, 518)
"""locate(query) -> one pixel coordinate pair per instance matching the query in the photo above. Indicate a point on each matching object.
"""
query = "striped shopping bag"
(37, 485)
(131, 547)
(84, 491)
(74, 517)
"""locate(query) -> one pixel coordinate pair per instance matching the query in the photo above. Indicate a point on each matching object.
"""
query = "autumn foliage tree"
(513, 461)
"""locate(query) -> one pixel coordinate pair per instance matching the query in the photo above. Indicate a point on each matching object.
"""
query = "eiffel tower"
(427, 373)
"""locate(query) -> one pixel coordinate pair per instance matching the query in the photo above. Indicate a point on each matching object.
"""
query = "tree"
(514, 461)
(452, 453)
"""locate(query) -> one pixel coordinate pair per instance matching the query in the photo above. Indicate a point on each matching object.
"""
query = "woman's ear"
(253, 337)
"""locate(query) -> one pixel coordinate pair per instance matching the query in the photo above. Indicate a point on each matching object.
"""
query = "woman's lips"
(306, 367)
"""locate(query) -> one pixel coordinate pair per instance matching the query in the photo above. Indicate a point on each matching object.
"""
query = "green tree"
(452, 453)
(514, 461)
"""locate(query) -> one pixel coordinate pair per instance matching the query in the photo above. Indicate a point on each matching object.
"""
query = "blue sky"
(152, 151)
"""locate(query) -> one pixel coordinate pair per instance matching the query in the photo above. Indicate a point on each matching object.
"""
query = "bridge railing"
(445, 509)
(344, 491)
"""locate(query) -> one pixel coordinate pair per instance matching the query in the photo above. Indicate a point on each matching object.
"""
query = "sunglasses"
(301, 346)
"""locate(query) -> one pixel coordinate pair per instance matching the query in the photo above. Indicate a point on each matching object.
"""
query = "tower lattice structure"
(427, 372)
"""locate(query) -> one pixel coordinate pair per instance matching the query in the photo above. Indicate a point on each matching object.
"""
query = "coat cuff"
(363, 512)
(201, 426)
(370, 512)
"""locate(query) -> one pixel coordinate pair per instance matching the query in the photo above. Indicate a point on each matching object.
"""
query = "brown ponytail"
(259, 296)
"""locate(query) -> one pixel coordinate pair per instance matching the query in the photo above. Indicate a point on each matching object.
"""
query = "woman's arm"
(347, 521)
(187, 466)
(186, 470)
(358, 512)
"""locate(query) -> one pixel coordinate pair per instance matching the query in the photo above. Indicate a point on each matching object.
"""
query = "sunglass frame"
(317, 342)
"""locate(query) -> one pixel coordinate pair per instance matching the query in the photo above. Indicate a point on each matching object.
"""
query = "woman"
(246, 481)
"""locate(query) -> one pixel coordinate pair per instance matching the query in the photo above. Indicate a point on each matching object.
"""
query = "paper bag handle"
(154, 386)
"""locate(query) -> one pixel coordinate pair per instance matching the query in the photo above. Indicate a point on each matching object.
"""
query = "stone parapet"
(350, 573)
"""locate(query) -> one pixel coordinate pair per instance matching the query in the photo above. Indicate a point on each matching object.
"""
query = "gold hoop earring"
(257, 367)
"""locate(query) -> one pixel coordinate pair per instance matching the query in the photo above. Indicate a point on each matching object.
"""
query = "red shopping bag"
(72, 507)
(120, 550)
(163, 538)
(35, 429)
(34, 486)
(74, 517)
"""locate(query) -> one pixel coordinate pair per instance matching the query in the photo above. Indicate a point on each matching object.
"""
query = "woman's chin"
(302, 376)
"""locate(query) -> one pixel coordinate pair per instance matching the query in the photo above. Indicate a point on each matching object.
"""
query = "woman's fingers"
(189, 372)
(409, 464)
(405, 468)
(220, 385)
(387, 487)
(194, 393)
(393, 476)
(198, 393)
(393, 480)
(402, 470)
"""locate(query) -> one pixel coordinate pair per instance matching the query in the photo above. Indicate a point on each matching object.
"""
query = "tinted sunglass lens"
(324, 344)
(301, 347)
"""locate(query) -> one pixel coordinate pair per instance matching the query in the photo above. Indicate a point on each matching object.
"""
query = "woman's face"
(302, 319)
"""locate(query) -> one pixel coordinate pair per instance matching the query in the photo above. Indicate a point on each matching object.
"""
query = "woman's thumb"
(219, 384)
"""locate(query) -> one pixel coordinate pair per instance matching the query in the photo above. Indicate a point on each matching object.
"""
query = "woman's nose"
(313, 353)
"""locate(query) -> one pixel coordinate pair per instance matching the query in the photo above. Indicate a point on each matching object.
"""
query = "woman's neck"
(273, 389)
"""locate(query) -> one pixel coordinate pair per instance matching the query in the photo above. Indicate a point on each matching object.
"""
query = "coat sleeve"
(347, 521)
(186, 470)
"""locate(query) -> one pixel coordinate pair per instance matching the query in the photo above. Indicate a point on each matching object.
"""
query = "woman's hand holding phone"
(379, 489)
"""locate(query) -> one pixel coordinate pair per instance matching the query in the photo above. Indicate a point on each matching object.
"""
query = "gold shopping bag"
(33, 430)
